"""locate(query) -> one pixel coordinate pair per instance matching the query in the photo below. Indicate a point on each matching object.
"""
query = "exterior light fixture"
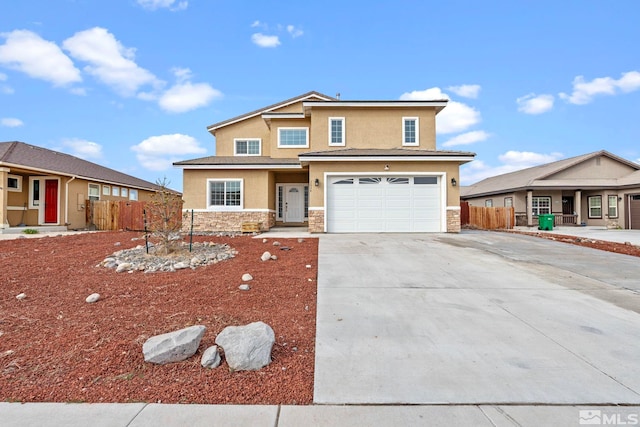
(316, 182)
(386, 167)
(454, 182)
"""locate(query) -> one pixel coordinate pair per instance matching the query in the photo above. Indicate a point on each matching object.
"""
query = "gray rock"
(247, 348)
(266, 256)
(181, 265)
(93, 298)
(274, 257)
(173, 346)
(265, 240)
(244, 287)
(300, 240)
(21, 296)
(125, 266)
(247, 277)
(276, 243)
(211, 358)
(117, 244)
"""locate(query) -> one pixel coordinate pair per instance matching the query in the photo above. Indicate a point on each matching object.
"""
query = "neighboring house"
(329, 164)
(41, 187)
(598, 188)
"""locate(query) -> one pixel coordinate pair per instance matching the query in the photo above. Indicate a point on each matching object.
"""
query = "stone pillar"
(530, 208)
(453, 219)
(316, 220)
(577, 202)
(4, 178)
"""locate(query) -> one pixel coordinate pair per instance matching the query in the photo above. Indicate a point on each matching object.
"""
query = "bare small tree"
(164, 216)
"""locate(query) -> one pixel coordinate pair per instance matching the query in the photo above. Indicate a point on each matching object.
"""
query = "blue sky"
(132, 84)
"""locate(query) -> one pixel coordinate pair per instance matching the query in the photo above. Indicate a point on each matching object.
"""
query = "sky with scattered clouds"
(133, 84)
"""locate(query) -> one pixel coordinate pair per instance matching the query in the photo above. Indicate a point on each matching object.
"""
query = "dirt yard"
(55, 347)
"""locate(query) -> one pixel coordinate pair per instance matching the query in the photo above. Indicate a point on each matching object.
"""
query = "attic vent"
(597, 161)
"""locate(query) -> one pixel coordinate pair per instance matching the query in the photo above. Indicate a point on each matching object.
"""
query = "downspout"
(66, 201)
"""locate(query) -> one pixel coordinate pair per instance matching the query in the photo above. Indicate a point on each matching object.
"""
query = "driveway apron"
(474, 318)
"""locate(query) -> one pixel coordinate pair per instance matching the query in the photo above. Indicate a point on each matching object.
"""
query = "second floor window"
(247, 147)
(336, 131)
(293, 137)
(410, 133)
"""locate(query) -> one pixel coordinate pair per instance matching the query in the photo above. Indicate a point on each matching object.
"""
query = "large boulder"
(173, 346)
(247, 348)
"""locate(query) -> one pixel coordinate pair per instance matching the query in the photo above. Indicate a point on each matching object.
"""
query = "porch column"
(530, 208)
(4, 180)
(578, 206)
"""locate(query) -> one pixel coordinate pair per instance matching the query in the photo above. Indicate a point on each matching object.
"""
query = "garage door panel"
(381, 204)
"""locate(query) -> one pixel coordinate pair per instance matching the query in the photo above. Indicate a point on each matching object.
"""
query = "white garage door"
(383, 204)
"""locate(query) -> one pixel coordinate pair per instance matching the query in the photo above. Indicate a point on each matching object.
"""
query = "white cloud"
(295, 32)
(82, 148)
(535, 104)
(256, 23)
(511, 161)
(584, 92)
(456, 117)
(467, 138)
(11, 122)
(159, 152)
(263, 40)
(466, 91)
(109, 61)
(186, 96)
(172, 5)
(29, 53)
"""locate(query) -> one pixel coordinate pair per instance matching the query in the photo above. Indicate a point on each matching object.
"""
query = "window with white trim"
(410, 131)
(224, 194)
(508, 202)
(94, 192)
(123, 192)
(293, 137)
(595, 206)
(133, 194)
(247, 147)
(541, 205)
(14, 183)
(106, 190)
(115, 191)
(488, 203)
(613, 206)
(336, 131)
(34, 192)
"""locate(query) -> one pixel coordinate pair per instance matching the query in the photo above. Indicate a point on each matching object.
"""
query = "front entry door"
(51, 201)
(294, 203)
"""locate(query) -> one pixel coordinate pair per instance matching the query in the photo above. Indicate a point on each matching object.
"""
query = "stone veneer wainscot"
(226, 221)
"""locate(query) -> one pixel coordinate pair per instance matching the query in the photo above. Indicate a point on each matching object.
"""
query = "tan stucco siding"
(254, 127)
(283, 152)
(318, 169)
(255, 187)
(372, 128)
(597, 167)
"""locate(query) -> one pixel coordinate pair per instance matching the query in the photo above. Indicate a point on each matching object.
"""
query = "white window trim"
(18, 178)
(612, 206)
(533, 208)
(106, 190)
(344, 132)
(131, 193)
(115, 191)
(411, 144)
(235, 146)
(225, 208)
(589, 207)
(306, 145)
(89, 190)
(124, 192)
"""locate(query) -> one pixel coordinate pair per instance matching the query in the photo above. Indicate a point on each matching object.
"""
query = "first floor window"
(595, 206)
(133, 194)
(293, 137)
(14, 183)
(106, 190)
(247, 147)
(613, 206)
(123, 192)
(94, 192)
(410, 131)
(115, 191)
(225, 193)
(541, 205)
(488, 203)
(508, 202)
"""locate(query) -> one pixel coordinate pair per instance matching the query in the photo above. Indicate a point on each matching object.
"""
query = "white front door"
(293, 203)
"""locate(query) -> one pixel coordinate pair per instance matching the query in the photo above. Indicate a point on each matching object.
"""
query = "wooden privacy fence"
(116, 215)
(486, 218)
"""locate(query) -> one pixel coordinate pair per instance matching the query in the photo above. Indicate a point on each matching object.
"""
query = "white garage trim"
(442, 177)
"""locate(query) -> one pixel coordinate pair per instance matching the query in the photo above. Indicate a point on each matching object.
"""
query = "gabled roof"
(531, 177)
(309, 95)
(20, 155)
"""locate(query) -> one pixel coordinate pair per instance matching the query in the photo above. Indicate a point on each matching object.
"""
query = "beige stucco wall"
(597, 167)
(256, 184)
(318, 169)
(287, 123)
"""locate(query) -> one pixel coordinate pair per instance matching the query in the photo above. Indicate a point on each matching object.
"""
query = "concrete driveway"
(478, 317)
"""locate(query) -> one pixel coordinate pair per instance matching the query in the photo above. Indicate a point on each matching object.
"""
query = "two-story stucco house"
(334, 165)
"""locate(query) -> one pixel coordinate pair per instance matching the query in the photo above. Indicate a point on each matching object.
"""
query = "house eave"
(239, 166)
(462, 159)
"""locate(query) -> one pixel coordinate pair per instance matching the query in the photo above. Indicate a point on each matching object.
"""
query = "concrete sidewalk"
(590, 232)
(157, 415)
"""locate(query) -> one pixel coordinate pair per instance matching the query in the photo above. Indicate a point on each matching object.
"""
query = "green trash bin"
(545, 222)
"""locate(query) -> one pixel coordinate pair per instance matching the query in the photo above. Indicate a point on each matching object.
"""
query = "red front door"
(51, 201)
